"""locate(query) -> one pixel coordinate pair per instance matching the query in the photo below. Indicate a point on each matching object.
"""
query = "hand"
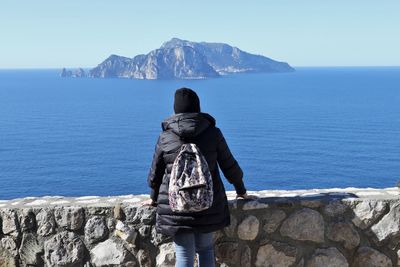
(148, 202)
(246, 196)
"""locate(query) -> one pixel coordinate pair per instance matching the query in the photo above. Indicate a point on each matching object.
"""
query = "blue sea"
(313, 128)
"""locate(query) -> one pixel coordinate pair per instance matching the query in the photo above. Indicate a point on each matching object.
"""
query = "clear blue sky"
(72, 33)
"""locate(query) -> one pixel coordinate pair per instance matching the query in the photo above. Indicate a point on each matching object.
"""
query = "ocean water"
(314, 128)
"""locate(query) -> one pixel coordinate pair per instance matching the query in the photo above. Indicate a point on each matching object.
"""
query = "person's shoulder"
(214, 133)
(209, 118)
(166, 130)
(167, 121)
(219, 133)
(166, 134)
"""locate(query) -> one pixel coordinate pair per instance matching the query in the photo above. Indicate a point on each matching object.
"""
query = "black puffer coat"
(198, 128)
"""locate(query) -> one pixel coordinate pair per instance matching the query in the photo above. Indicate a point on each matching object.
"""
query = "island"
(182, 59)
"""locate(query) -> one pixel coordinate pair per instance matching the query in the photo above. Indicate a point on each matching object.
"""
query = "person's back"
(192, 231)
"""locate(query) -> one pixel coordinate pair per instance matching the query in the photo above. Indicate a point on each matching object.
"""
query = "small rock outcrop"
(78, 73)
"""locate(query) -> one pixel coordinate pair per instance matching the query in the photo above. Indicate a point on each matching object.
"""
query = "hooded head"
(186, 101)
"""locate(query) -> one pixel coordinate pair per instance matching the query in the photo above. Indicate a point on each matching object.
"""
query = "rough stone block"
(369, 257)
(232, 254)
(268, 255)
(230, 230)
(71, 218)
(111, 253)
(254, 205)
(96, 229)
(330, 257)
(304, 224)
(125, 232)
(334, 209)
(9, 245)
(46, 222)
(10, 223)
(344, 233)
(248, 228)
(389, 225)
(367, 212)
(272, 219)
(158, 238)
(64, 249)
(30, 249)
(27, 220)
(166, 256)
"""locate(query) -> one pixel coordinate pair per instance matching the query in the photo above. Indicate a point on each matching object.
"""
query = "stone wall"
(336, 227)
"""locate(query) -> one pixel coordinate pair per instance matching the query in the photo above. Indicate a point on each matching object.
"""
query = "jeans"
(186, 246)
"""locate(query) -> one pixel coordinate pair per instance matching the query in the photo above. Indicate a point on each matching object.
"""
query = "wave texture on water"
(314, 128)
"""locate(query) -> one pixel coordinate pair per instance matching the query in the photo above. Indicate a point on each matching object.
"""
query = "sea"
(325, 127)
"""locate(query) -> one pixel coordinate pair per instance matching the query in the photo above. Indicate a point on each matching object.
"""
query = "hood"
(188, 124)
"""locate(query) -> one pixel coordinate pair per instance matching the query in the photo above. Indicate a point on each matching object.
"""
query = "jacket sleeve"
(229, 165)
(157, 170)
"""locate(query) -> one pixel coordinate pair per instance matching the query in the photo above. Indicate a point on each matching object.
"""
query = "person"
(192, 232)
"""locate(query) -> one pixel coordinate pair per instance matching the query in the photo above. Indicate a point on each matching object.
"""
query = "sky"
(82, 33)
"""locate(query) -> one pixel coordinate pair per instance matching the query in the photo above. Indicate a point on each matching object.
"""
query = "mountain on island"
(181, 59)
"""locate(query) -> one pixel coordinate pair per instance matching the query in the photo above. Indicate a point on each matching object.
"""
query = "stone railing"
(335, 227)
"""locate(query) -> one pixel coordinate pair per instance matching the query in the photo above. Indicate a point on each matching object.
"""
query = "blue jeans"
(186, 246)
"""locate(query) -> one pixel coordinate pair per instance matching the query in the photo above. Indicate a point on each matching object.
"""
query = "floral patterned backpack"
(190, 185)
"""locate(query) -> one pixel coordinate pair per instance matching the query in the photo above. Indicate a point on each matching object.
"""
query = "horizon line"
(298, 66)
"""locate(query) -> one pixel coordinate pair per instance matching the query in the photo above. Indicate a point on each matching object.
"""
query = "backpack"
(191, 185)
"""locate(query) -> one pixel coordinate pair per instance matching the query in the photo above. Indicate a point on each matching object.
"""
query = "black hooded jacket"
(198, 128)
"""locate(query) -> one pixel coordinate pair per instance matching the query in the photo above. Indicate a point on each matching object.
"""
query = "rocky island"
(182, 59)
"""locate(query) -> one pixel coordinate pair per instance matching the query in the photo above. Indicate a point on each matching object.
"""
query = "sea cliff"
(322, 227)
